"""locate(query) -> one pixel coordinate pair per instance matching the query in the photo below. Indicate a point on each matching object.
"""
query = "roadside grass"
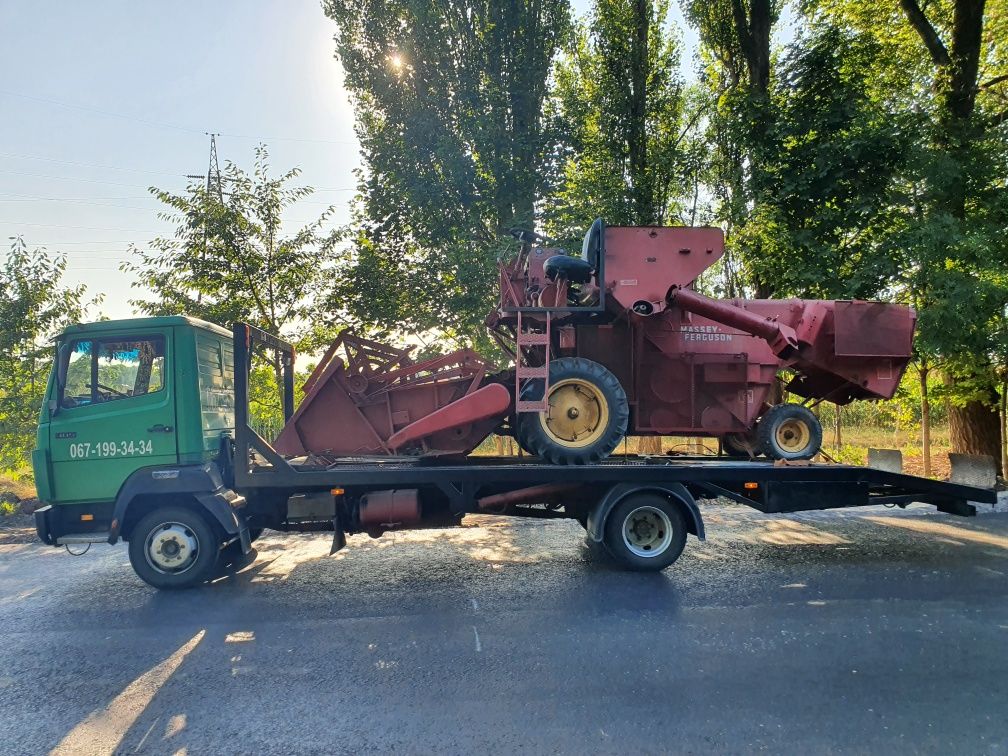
(855, 443)
(16, 482)
(853, 450)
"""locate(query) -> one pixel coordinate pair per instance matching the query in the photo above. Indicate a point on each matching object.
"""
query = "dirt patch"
(940, 468)
(12, 504)
(17, 528)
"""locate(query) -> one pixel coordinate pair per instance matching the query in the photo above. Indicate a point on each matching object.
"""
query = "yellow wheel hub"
(578, 413)
(793, 435)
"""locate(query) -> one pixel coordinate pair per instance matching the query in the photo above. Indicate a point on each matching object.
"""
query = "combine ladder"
(525, 372)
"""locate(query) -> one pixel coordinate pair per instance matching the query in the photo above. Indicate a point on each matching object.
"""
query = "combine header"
(365, 398)
(612, 342)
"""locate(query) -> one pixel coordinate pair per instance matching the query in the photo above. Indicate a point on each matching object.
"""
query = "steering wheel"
(525, 235)
(110, 390)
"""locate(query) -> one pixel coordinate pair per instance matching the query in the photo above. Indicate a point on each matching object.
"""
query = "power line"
(71, 178)
(163, 124)
(141, 186)
(103, 201)
(17, 156)
(79, 228)
(13, 197)
(148, 209)
(34, 243)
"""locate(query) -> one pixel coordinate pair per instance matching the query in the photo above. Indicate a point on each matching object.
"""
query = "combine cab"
(611, 342)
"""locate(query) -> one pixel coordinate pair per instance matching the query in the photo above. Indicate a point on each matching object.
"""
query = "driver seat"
(579, 270)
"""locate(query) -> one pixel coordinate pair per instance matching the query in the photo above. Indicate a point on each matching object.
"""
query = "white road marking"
(144, 738)
(479, 647)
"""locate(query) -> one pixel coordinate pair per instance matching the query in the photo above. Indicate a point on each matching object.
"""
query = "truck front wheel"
(645, 532)
(173, 547)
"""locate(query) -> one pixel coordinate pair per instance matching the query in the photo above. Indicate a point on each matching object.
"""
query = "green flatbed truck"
(144, 436)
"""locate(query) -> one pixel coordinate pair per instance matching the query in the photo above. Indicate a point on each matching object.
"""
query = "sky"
(102, 100)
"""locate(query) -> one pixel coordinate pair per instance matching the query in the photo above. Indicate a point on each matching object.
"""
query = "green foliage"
(266, 400)
(231, 257)
(950, 214)
(902, 412)
(34, 307)
(449, 109)
(739, 71)
(619, 92)
(830, 174)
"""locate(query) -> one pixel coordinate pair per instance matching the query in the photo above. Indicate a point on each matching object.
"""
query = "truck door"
(116, 412)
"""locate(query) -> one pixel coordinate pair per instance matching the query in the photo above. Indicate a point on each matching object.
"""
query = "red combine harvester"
(612, 342)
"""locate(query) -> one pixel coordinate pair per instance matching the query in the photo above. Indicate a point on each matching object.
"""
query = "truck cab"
(134, 410)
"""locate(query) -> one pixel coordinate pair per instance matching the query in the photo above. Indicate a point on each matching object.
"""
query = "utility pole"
(214, 184)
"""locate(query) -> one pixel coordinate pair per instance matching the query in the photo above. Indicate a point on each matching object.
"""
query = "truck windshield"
(105, 370)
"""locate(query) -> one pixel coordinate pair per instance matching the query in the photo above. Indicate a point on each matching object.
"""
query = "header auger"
(615, 341)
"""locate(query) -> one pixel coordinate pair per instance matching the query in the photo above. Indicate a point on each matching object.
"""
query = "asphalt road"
(870, 632)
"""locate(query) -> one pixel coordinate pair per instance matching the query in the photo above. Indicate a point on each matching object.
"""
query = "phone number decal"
(99, 449)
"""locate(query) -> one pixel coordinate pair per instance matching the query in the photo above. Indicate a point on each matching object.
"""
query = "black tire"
(740, 445)
(789, 431)
(190, 531)
(254, 534)
(645, 532)
(598, 394)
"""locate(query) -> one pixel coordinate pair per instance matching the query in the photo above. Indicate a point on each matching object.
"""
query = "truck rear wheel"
(645, 532)
(173, 547)
(789, 431)
(587, 416)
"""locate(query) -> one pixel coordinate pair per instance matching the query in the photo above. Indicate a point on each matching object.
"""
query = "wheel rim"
(578, 413)
(647, 532)
(793, 435)
(171, 548)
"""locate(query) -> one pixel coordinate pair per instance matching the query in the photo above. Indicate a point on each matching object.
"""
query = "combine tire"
(174, 547)
(790, 431)
(587, 416)
(645, 532)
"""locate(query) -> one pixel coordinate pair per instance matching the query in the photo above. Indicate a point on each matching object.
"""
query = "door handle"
(159, 428)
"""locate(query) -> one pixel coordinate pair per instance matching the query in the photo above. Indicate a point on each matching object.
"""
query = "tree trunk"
(975, 428)
(922, 372)
(649, 445)
(1004, 428)
(837, 440)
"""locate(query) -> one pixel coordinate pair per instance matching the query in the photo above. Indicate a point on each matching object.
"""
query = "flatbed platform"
(763, 484)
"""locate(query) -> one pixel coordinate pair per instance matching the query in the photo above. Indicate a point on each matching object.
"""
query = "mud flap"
(43, 527)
